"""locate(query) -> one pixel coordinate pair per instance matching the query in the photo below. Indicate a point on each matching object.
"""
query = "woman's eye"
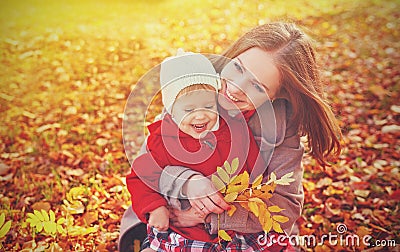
(258, 87)
(209, 107)
(238, 67)
(188, 110)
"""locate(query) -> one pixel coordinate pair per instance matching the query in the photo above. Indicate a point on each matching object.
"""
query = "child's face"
(196, 112)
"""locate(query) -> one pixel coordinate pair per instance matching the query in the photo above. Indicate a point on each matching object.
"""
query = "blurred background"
(68, 67)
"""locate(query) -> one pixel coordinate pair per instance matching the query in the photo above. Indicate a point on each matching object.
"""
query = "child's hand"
(159, 218)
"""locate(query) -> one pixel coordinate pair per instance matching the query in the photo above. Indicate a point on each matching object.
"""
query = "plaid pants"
(174, 242)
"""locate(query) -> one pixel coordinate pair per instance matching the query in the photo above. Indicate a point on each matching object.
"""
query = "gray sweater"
(281, 149)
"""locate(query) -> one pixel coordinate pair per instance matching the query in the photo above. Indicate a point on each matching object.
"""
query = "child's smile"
(200, 127)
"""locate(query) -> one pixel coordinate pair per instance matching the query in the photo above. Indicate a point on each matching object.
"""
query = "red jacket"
(167, 145)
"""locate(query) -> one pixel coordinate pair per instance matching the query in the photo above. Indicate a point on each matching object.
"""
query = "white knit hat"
(183, 70)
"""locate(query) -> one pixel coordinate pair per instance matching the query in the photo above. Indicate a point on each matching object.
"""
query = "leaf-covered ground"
(67, 69)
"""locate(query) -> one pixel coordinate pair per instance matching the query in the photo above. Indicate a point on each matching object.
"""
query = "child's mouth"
(199, 127)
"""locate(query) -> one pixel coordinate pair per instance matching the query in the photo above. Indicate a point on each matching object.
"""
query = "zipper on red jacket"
(212, 147)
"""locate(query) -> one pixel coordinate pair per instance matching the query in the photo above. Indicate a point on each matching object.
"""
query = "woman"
(271, 63)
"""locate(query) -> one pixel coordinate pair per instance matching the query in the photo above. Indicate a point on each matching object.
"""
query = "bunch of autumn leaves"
(252, 197)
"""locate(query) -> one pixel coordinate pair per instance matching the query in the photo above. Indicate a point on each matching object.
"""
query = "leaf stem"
(219, 239)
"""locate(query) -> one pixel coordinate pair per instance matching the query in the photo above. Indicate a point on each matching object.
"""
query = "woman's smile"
(230, 96)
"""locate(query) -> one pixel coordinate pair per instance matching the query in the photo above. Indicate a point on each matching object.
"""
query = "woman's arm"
(284, 158)
(177, 183)
(289, 197)
(171, 182)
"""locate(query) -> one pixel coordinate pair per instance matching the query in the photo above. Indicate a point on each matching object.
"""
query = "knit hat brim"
(173, 87)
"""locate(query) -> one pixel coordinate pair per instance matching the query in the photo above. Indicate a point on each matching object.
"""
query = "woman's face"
(249, 80)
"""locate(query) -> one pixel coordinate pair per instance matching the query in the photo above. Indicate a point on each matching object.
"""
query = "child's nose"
(199, 114)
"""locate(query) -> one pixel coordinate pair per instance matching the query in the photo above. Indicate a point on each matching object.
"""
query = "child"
(191, 134)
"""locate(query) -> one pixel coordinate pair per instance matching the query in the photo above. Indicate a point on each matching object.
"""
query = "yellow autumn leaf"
(232, 210)
(228, 167)
(50, 227)
(257, 181)
(74, 207)
(235, 188)
(114, 216)
(265, 196)
(232, 179)
(223, 175)
(45, 215)
(32, 219)
(378, 91)
(224, 235)
(52, 215)
(60, 221)
(2, 219)
(258, 200)
(317, 219)
(245, 179)
(275, 209)
(285, 179)
(39, 227)
(268, 188)
(76, 193)
(272, 177)
(234, 165)
(61, 230)
(263, 213)
(218, 183)
(277, 227)
(267, 225)
(39, 215)
(280, 218)
(4, 227)
(231, 197)
(254, 208)
(236, 180)
(78, 230)
(243, 196)
(101, 142)
(254, 193)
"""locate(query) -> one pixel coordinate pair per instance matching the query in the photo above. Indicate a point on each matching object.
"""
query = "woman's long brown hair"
(294, 56)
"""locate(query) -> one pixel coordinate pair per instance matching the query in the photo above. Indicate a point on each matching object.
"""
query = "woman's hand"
(186, 218)
(203, 196)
